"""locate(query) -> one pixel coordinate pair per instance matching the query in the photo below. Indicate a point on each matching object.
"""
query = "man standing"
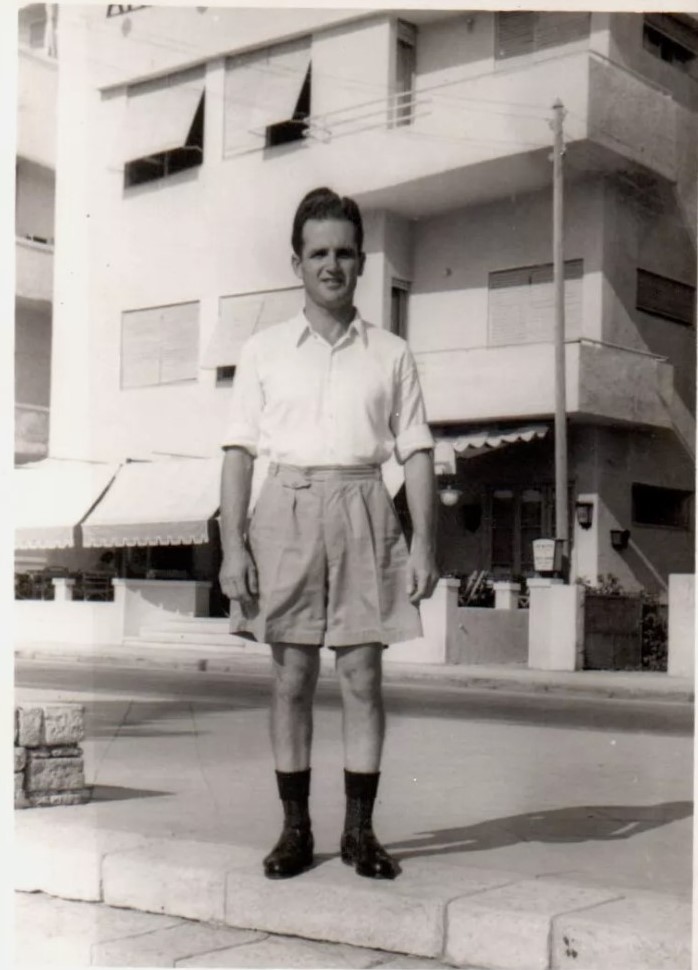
(327, 397)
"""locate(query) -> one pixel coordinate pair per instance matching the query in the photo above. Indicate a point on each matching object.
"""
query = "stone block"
(20, 797)
(509, 927)
(180, 878)
(64, 724)
(54, 774)
(45, 799)
(642, 931)
(16, 725)
(65, 751)
(164, 947)
(20, 758)
(31, 725)
(62, 859)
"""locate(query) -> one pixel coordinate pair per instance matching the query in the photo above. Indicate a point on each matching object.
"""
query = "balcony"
(36, 119)
(34, 270)
(31, 432)
(419, 168)
(604, 383)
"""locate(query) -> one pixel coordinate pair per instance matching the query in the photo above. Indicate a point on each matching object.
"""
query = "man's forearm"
(236, 485)
(420, 487)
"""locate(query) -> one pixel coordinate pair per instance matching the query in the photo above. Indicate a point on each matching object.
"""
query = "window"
(664, 507)
(405, 70)
(664, 297)
(284, 132)
(159, 345)
(225, 375)
(164, 127)
(399, 295)
(268, 97)
(669, 39)
(520, 32)
(522, 304)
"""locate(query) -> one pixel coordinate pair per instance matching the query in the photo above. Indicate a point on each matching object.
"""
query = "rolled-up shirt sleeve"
(243, 426)
(408, 419)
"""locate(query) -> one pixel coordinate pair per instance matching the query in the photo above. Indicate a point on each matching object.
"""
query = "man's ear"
(296, 265)
(362, 263)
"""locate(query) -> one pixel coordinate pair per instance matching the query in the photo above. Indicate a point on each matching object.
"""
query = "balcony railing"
(31, 430)
(34, 269)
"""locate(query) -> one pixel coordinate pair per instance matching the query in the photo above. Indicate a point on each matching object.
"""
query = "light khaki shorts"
(331, 559)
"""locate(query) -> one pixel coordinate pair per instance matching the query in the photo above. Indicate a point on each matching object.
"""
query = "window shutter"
(674, 28)
(244, 314)
(664, 297)
(555, 29)
(522, 304)
(261, 89)
(159, 345)
(515, 32)
(159, 113)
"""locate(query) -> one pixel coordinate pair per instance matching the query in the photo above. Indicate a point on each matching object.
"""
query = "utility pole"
(561, 497)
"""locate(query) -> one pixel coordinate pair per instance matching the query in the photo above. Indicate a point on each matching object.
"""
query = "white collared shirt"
(300, 400)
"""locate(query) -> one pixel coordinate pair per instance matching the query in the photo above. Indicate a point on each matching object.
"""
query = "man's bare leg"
(360, 677)
(295, 671)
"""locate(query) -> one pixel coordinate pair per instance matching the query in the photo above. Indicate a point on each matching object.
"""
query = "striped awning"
(159, 503)
(481, 443)
(52, 497)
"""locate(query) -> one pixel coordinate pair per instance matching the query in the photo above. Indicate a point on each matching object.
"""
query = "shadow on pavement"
(584, 823)
(114, 793)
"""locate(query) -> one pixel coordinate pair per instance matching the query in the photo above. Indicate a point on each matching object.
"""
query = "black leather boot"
(359, 846)
(293, 853)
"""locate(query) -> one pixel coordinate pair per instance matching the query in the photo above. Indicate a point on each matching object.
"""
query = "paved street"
(597, 789)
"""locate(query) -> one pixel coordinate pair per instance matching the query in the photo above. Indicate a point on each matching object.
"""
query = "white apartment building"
(186, 138)
(34, 227)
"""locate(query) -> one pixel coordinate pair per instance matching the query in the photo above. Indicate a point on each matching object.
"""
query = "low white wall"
(682, 632)
(489, 636)
(147, 601)
(556, 625)
(47, 621)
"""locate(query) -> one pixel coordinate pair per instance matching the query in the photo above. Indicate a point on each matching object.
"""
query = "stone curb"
(581, 684)
(465, 916)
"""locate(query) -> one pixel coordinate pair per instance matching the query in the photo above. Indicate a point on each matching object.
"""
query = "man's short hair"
(323, 203)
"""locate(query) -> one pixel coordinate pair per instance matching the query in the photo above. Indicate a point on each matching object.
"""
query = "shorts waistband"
(321, 473)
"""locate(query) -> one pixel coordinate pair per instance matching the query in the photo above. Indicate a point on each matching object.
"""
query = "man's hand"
(422, 574)
(238, 579)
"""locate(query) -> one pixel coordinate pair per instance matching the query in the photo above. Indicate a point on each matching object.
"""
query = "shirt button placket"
(329, 401)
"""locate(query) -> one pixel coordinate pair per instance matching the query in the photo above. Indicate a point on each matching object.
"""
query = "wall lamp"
(449, 493)
(585, 514)
(620, 538)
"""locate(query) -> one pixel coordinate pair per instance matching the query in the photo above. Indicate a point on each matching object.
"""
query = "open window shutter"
(555, 29)
(241, 316)
(676, 29)
(159, 113)
(262, 89)
(514, 33)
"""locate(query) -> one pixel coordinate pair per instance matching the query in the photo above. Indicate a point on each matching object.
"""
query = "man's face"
(329, 264)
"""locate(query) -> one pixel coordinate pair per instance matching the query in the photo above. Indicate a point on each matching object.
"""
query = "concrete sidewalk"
(648, 685)
(184, 807)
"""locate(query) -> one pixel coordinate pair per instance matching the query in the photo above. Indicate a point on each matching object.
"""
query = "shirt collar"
(302, 328)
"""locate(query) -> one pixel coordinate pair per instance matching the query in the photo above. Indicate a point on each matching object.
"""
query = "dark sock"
(294, 791)
(360, 789)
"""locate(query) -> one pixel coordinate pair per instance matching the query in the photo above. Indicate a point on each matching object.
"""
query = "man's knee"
(295, 676)
(361, 678)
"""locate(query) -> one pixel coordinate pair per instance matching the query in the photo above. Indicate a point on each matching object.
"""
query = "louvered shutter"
(244, 314)
(555, 29)
(665, 297)
(159, 345)
(514, 32)
(522, 304)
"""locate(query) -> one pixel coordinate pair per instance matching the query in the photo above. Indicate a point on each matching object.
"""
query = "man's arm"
(238, 576)
(420, 487)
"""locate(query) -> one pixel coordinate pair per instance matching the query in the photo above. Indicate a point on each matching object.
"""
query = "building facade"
(186, 138)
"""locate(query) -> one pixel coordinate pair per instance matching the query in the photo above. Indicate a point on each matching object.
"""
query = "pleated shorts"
(331, 560)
